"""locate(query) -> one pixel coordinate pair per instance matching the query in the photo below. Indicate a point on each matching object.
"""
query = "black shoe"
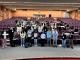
(72, 47)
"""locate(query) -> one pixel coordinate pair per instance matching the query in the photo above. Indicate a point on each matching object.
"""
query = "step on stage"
(40, 53)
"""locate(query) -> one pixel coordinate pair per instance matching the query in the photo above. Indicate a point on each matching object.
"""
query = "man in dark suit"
(64, 40)
(11, 34)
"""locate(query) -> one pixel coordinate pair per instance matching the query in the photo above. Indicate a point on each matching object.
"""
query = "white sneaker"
(3, 47)
(35, 45)
(21, 45)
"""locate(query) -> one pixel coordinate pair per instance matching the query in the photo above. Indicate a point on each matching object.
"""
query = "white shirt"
(5, 34)
(22, 35)
(35, 35)
(19, 29)
(67, 34)
(34, 26)
(24, 23)
(29, 33)
(40, 29)
(43, 36)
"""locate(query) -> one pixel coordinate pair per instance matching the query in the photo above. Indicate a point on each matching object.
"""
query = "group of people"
(35, 33)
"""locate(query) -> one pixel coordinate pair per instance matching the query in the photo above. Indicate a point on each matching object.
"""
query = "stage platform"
(11, 53)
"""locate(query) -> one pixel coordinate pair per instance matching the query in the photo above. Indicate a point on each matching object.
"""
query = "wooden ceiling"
(42, 4)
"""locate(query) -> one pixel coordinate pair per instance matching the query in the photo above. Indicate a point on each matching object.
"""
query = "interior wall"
(72, 14)
(78, 15)
(29, 13)
(5, 13)
(75, 14)
(1, 14)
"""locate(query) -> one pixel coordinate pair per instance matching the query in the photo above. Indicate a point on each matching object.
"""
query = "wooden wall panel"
(5, 13)
(30, 13)
(75, 15)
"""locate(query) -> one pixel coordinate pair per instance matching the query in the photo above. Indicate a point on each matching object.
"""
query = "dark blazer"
(63, 36)
(11, 34)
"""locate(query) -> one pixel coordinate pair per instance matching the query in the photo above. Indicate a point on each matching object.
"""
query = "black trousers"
(12, 42)
(71, 43)
(42, 42)
(29, 40)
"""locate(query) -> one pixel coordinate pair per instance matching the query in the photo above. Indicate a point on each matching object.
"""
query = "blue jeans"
(64, 43)
(22, 41)
(35, 42)
(55, 42)
(48, 41)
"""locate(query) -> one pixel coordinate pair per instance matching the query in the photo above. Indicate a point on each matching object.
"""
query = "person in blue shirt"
(49, 35)
(55, 37)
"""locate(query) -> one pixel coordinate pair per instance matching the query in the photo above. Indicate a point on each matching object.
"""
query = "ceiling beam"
(35, 3)
(40, 5)
(45, 1)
